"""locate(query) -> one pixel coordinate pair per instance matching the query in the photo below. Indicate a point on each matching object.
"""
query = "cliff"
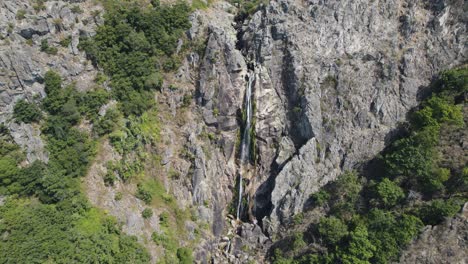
(330, 81)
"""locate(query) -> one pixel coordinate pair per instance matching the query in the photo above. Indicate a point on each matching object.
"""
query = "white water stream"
(245, 143)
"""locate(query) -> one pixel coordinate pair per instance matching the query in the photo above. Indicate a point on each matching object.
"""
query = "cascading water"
(245, 143)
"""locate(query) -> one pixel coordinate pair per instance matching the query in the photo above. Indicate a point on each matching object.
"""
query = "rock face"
(334, 79)
(23, 65)
(446, 243)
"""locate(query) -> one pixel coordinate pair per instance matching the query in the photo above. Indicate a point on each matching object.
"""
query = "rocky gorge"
(329, 82)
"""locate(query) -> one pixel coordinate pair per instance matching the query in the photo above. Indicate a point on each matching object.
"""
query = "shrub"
(76, 9)
(185, 256)
(147, 213)
(438, 110)
(91, 101)
(144, 194)
(320, 197)
(298, 218)
(107, 123)
(72, 153)
(154, 81)
(109, 178)
(118, 196)
(298, 241)
(359, 249)
(65, 42)
(437, 210)
(166, 242)
(155, 3)
(39, 5)
(8, 170)
(407, 227)
(347, 189)
(26, 112)
(53, 82)
(54, 233)
(173, 174)
(186, 99)
(21, 14)
(164, 219)
(48, 49)
(58, 23)
(452, 82)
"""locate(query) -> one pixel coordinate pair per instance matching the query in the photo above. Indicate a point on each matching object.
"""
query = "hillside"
(233, 132)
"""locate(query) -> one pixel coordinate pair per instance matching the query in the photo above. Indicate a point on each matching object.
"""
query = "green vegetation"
(48, 49)
(144, 194)
(39, 5)
(147, 213)
(332, 230)
(388, 193)
(20, 14)
(65, 42)
(46, 204)
(185, 256)
(76, 9)
(201, 4)
(133, 46)
(370, 220)
(63, 233)
(26, 112)
(246, 7)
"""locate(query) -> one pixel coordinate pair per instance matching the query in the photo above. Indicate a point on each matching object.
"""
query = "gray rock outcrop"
(334, 78)
(23, 64)
(445, 243)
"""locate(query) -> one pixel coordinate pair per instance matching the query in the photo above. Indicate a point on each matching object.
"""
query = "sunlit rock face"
(334, 79)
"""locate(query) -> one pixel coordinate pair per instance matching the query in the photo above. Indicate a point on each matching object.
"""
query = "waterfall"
(245, 143)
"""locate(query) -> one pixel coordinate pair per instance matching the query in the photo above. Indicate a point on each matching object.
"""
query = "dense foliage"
(46, 217)
(67, 232)
(133, 46)
(26, 112)
(371, 219)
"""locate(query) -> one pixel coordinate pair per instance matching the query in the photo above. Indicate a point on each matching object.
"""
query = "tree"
(53, 82)
(437, 210)
(154, 81)
(381, 225)
(133, 45)
(26, 112)
(332, 230)
(388, 193)
(8, 170)
(359, 249)
(107, 123)
(346, 192)
(53, 88)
